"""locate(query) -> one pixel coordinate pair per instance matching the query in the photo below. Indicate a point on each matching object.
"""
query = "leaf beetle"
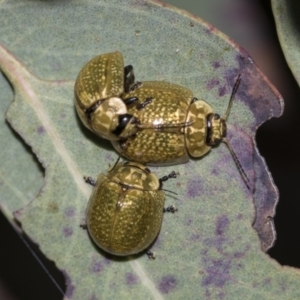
(125, 210)
(98, 96)
(173, 125)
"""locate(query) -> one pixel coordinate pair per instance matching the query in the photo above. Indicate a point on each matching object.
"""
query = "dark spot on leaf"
(131, 279)
(63, 115)
(212, 83)
(238, 254)
(216, 243)
(107, 156)
(94, 297)
(221, 225)
(52, 207)
(194, 188)
(41, 130)
(222, 91)
(68, 231)
(240, 216)
(217, 273)
(107, 261)
(167, 284)
(215, 171)
(189, 222)
(97, 267)
(216, 64)
(69, 211)
(196, 237)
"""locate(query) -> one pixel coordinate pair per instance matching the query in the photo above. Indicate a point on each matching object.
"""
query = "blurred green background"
(250, 24)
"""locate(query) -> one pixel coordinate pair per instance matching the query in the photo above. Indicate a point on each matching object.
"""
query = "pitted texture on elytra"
(100, 78)
(169, 104)
(148, 146)
(124, 220)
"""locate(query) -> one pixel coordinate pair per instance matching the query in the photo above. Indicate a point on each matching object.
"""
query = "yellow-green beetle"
(172, 125)
(125, 210)
(98, 91)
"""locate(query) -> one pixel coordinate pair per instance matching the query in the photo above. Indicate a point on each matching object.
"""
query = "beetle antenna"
(237, 162)
(116, 163)
(235, 88)
(169, 191)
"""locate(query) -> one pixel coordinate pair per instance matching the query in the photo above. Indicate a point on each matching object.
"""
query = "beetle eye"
(147, 170)
(216, 117)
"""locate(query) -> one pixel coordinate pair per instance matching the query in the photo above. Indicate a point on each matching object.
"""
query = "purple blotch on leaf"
(217, 273)
(240, 216)
(215, 171)
(68, 231)
(70, 287)
(216, 64)
(221, 225)
(222, 91)
(97, 267)
(131, 279)
(41, 130)
(167, 284)
(194, 188)
(69, 211)
(212, 83)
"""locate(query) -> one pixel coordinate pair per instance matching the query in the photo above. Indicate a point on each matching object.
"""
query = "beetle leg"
(171, 175)
(194, 99)
(91, 109)
(83, 226)
(172, 209)
(90, 180)
(129, 78)
(150, 254)
(135, 86)
(130, 100)
(143, 105)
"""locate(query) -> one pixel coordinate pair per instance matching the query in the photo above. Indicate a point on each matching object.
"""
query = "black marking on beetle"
(91, 109)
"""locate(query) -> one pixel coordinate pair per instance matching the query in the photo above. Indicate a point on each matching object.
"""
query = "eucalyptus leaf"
(208, 249)
(286, 15)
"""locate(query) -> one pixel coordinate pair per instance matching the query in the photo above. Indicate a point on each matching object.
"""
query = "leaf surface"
(209, 248)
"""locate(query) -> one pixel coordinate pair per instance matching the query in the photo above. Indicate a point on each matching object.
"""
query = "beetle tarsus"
(144, 104)
(171, 175)
(89, 180)
(150, 254)
(172, 209)
(83, 226)
(135, 86)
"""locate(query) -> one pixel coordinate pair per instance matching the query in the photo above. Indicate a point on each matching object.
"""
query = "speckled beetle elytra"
(125, 210)
(98, 90)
